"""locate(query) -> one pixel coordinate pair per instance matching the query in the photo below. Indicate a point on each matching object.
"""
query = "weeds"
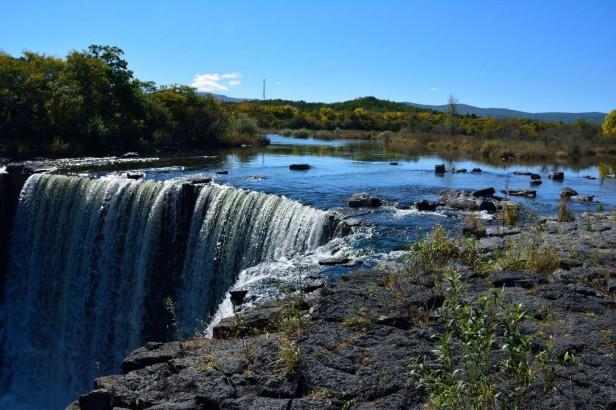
(292, 319)
(526, 257)
(431, 254)
(462, 372)
(360, 318)
(564, 213)
(511, 213)
(288, 355)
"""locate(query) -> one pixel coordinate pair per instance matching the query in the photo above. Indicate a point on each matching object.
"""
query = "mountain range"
(464, 109)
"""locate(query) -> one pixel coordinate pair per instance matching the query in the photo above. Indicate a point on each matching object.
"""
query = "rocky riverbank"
(355, 343)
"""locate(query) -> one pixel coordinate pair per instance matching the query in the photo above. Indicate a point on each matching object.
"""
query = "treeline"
(91, 103)
(372, 114)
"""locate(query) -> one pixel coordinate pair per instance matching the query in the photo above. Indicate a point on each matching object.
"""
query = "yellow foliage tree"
(609, 124)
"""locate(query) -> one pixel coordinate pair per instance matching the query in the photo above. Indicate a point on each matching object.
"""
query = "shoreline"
(351, 344)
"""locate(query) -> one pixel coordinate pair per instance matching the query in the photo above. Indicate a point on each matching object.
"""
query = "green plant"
(169, 306)
(600, 208)
(461, 374)
(470, 254)
(564, 213)
(527, 257)
(360, 318)
(292, 319)
(288, 355)
(511, 213)
(431, 254)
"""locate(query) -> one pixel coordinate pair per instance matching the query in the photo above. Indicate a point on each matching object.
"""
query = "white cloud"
(433, 89)
(231, 75)
(213, 82)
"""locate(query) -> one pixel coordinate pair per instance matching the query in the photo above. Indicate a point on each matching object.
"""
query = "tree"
(451, 113)
(609, 124)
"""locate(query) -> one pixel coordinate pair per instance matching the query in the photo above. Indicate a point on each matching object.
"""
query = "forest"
(90, 103)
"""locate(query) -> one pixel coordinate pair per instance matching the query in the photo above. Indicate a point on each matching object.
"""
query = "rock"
(393, 163)
(583, 198)
(611, 285)
(567, 193)
(425, 205)
(512, 279)
(485, 192)
(263, 318)
(502, 231)
(461, 171)
(557, 176)
(589, 177)
(474, 230)
(299, 167)
(130, 155)
(135, 175)
(151, 353)
(522, 172)
(334, 260)
(507, 156)
(362, 200)
(196, 180)
(529, 193)
(223, 172)
(237, 296)
(476, 171)
(439, 169)
(535, 179)
(465, 200)
(96, 400)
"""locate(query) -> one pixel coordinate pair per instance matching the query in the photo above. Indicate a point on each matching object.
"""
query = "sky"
(548, 55)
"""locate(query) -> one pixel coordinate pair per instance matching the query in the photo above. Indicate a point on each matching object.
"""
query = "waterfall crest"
(92, 260)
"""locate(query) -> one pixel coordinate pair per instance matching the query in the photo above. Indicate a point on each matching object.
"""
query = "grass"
(292, 318)
(359, 318)
(288, 355)
(431, 254)
(526, 257)
(511, 213)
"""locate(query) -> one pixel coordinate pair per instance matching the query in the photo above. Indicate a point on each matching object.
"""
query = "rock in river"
(364, 199)
(529, 193)
(557, 176)
(568, 193)
(425, 205)
(299, 167)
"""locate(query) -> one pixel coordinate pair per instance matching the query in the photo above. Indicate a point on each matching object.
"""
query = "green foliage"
(511, 213)
(564, 213)
(90, 103)
(292, 319)
(288, 355)
(169, 306)
(482, 359)
(526, 257)
(431, 254)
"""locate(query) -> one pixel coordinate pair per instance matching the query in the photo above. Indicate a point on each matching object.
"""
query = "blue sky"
(530, 55)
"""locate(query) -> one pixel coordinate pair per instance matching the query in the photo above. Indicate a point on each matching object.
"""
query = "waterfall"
(91, 262)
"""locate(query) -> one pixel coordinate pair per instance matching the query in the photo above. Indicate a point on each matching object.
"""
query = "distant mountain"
(222, 98)
(594, 117)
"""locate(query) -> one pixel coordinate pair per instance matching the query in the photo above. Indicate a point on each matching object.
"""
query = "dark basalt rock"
(476, 171)
(461, 171)
(425, 205)
(364, 200)
(584, 198)
(223, 172)
(557, 176)
(522, 172)
(237, 296)
(567, 193)
(135, 175)
(486, 192)
(589, 177)
(334, 260)
(529, 193)
(299, 167)
(393, 163)
(150, 354)
(466, 200)
(439, 169)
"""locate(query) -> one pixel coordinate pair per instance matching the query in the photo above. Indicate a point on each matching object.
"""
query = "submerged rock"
(529, 193)
(476, 171)
(439, 169)
(557, 176)
(425, 205)
(135, 175)
(299, 167)
(363, 200)
(468, 201)
(567, 193)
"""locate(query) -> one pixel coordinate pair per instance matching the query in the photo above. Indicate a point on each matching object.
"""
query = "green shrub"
(564, 213)
(431, 254)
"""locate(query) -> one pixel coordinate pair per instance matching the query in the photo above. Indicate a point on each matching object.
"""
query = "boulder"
(299, 167)
(237, 296)
(568, 193)
(522, 172)
(461, 171)
(589, 177)
(474, 230)
(465, 200)
(96, 400)
(529, 193)
(223, 172)
(439, 169)
(535, 179)
(485, 192)
(583, 198)
(425, 205)
(334, 260)
(476, 171)
(557, 176)
(393, 163)
(135, 175)
(363, 200)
